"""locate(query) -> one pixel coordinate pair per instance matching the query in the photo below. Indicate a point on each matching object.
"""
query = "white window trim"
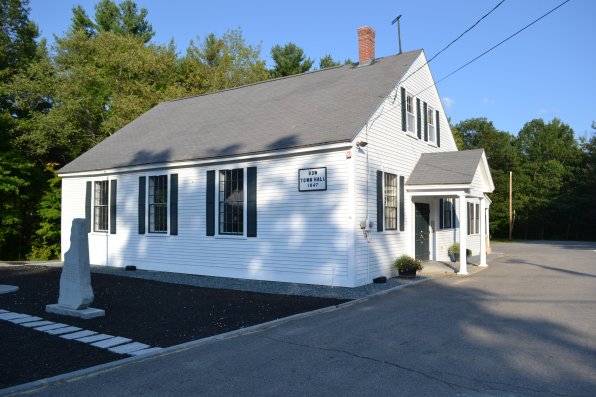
(413, 132)
(473, 218)
(245, 205)
(450, 200)
(430, 110)
(147, 232)
(396, 230)
(93, 231)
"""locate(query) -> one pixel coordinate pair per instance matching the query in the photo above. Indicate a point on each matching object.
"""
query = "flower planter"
(407, 274)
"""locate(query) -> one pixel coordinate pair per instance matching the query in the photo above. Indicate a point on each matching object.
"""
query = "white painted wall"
(391, 150)
(302, 236)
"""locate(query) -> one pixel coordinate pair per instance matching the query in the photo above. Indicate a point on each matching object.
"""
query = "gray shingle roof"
(325, 106)
(446, 168)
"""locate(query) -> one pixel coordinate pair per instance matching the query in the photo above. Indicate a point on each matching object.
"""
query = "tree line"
(58, 101)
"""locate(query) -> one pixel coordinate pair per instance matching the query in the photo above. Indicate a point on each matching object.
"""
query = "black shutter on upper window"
(141, 214)
(174, 204)
(113, 211)
(88, 206)
(380, 201)
(438, 123)
(418, 119)
(425, 108)
(251, 202)
(210, 204)
(402, 211)
(403, 109)
(441, 209)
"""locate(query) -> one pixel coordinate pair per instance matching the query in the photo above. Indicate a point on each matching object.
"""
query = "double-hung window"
(231, 202)
(448, 213)
(390, 202)
(473, 218)
(100, 206)
(411, 118)
(158, 204)
(432, 135)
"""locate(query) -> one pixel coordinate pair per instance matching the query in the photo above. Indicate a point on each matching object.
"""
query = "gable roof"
(447, 168)
(321, 107)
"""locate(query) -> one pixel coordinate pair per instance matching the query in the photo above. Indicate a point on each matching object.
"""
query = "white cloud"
(448, 102)
(546, 111)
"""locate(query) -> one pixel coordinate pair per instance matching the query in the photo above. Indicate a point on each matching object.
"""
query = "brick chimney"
(366, 45)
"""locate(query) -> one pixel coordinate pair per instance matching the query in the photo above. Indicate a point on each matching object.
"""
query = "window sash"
(432, 136)
(390, 202)
(231, 202)
(100, 206)
(448, 213)
(158, 204)
(411, 119)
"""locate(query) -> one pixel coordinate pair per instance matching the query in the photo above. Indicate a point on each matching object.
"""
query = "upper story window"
(432, 134)
(158, 204)
(100, 206)
(390, 202)
(411, 118)
(231, 202)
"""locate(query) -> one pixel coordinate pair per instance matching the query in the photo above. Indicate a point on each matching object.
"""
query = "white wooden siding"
(391, 150)
(302, 236)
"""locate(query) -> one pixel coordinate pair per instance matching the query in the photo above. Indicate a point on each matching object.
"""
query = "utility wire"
(456, 39)
(495, 46)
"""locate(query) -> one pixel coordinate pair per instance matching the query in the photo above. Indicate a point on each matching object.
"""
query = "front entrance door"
(421, 231)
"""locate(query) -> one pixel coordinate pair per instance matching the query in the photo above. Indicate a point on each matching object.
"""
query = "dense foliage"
(58, 102)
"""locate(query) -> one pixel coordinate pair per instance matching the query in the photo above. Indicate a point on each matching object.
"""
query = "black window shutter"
(142, 185)
(402, 222)
(113, 196)
(425, 108)
(210, 200)
(173, 204)
(418, 119)
(88, 206)
(380, 201)
(438, 123)
(441, 209)
(251, 201)
(403, 109)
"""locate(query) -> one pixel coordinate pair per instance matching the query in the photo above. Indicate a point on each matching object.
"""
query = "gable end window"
(158, 204)
(231, 202)
(100, 206)
(411, 118)
(432, 136)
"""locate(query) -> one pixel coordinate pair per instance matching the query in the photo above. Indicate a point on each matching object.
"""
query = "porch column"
(482, 217)
(463, 233)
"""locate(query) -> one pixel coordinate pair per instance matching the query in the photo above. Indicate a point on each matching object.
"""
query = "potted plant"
(453, 252)
(407, 266)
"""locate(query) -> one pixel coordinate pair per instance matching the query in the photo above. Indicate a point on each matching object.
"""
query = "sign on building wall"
(311, 179)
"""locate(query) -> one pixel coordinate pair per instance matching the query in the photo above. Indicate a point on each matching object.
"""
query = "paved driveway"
(524, 326)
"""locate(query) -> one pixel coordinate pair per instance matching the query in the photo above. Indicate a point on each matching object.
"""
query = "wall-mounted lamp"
(361, 143)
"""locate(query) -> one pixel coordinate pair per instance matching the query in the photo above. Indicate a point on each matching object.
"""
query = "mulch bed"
(150, 312)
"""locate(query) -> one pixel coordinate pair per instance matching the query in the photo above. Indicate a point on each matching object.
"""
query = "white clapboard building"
(323, 178)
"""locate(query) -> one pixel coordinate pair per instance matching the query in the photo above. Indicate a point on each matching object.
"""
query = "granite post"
(76, 293)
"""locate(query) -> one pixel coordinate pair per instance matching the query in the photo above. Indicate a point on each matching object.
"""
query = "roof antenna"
(398, 31)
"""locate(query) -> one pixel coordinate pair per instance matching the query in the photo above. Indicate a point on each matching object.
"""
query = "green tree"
(123, 19)
(46, 244)
(289, 60)
(221, 63)
(327, 62)
(550, 160)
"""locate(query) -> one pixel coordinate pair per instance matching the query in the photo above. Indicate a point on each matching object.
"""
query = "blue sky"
(546, 71)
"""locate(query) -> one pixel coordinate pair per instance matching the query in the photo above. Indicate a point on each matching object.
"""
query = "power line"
(456, 39)
(495, 46)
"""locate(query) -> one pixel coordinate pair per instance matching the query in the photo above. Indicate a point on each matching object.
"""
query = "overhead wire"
(453, 41)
